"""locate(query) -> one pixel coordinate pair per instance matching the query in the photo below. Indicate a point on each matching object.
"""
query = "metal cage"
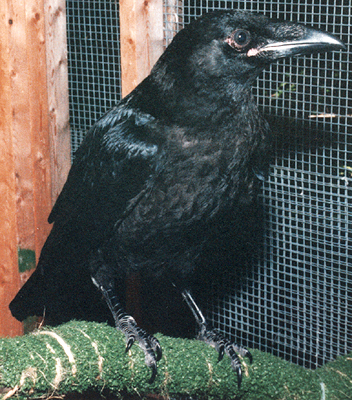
(93, 63)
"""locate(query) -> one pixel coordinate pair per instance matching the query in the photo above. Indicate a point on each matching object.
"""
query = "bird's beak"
(310, 41)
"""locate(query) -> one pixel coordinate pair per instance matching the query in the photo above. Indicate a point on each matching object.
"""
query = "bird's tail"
(58, 299)
(29, 300)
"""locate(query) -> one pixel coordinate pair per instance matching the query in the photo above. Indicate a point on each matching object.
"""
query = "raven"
(165, 176)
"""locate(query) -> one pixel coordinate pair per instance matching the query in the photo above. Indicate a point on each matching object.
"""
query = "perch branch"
(79, 356)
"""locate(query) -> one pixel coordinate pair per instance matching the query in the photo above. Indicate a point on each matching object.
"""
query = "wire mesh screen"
(297, 302)
(93, 62)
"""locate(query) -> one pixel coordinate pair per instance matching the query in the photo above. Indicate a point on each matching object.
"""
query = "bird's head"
(238, 45)
(215, 59)
(259, 41)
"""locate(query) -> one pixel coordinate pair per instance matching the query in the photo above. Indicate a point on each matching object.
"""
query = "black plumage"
(167, 178)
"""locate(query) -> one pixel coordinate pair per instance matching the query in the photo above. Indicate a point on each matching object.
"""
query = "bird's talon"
(250, 357)
(154, 372)
(129, 344)
(221, 353)
(239, 377)
(159, 352)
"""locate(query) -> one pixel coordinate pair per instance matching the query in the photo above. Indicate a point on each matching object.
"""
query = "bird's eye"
(239, 39)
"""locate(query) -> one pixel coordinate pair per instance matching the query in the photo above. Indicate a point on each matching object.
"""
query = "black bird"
(166, 174)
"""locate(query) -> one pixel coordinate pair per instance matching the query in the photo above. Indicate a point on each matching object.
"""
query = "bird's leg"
(198, 315)
(215, 339)
(126, 323)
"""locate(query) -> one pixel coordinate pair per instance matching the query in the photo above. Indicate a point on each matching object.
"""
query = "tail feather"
(59, 299)
(29, 300)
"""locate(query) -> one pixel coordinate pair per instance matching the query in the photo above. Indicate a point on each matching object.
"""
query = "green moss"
(336, 378)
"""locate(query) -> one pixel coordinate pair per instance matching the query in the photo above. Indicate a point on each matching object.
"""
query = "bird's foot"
(224, 346)
(133, 333)
(148, 343)
(216, 340)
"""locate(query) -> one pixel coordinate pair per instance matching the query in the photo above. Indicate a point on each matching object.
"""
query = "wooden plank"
(29, 130)
(9, 274)
(155, 30)
(58, 99)
(21, 122)
(37, 104)
(141, 39)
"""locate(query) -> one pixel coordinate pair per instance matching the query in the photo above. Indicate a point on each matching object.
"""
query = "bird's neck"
(183, 105)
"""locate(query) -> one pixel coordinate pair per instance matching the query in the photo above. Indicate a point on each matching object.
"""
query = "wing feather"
(111, 168)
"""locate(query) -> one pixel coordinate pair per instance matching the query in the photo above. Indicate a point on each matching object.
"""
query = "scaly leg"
(215, 339)
(126, 323)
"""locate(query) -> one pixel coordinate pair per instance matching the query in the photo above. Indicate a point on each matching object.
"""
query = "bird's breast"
(200, 183)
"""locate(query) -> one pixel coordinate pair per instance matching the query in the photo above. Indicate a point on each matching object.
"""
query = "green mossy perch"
(80, 356)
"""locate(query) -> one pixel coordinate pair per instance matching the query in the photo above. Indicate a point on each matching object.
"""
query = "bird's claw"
(223, 345)
(129, 343)
(221, 351)
(248, 354)
(153, 354)
(151, 348)
(154, 372)
(157, 350)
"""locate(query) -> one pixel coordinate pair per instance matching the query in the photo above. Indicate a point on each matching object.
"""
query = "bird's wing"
(110, 173)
